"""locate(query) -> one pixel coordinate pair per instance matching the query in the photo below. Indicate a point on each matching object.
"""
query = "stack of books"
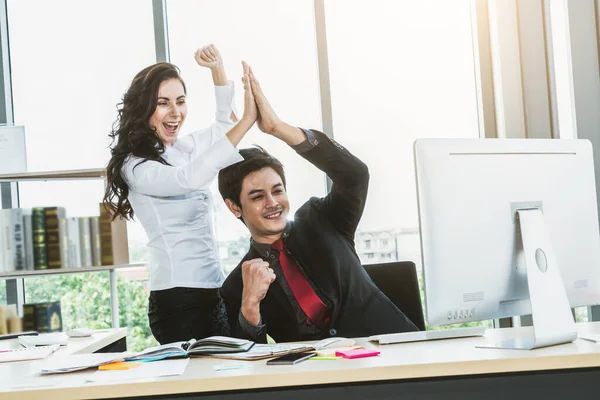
(45, 238)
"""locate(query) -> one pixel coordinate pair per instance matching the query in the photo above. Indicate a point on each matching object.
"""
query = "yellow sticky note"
(119, 366)
(270, 340)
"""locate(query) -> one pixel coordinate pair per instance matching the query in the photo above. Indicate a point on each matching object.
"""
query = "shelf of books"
(45, 240)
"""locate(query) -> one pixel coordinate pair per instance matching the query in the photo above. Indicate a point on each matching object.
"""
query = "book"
(85, 241)
(95, 241)
(18, 239)
(38, 227)
(28, 239)
(3, 245)
(42, 317)
(63, 240)
(52, 232)
(208, 346)
(106, 249)
(74, 243)
(13, 250)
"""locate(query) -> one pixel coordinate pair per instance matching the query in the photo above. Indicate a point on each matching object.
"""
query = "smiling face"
(170, 111)
(264, 205)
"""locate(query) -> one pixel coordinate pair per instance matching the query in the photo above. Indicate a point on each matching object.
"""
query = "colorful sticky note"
(358, 353)
(116, 366)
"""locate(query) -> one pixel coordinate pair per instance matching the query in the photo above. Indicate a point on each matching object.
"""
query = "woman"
(165, 180)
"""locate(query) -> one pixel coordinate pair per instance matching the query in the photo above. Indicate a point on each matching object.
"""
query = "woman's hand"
(250, 108)
(268, 121)
(209, 57)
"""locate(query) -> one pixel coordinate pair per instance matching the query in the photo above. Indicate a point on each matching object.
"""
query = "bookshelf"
(76, 174)
(118, 229)
(60, 271)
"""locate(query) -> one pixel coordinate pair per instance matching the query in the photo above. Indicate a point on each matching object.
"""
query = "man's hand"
(209, 57)
(268, 121)
(250, 108)
(257, 276)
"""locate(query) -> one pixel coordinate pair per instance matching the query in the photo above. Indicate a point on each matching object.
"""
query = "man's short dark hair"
(255, 158)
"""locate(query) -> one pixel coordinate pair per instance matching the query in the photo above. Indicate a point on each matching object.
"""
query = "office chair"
(398, 281)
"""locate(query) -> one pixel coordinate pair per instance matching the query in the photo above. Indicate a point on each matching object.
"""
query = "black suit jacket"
(321, 240)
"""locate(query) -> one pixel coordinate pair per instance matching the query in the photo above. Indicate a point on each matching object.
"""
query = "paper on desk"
(590, 336)
(146, 370)
(75, 362)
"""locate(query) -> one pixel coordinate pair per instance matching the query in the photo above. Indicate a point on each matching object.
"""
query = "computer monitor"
(508, 227)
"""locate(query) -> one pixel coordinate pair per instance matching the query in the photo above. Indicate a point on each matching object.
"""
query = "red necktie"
(306, 297)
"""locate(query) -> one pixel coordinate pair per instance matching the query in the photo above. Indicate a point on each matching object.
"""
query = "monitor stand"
(552, 318)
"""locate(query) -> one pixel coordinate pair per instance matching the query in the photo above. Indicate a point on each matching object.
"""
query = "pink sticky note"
(357, 353)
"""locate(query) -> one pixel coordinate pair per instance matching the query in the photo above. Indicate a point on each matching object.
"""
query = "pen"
(319, 358)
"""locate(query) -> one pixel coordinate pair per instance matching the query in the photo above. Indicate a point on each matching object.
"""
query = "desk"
(447, 369)
(103, 341)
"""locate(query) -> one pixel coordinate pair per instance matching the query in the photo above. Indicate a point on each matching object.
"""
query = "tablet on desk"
(291, 359)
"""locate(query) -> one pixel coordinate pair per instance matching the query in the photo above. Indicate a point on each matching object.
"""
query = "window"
(399, 71)
(368, 244)
(278, 40)
(67, 80)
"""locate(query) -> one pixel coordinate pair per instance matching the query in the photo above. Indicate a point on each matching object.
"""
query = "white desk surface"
(97, 341)
(454, 357)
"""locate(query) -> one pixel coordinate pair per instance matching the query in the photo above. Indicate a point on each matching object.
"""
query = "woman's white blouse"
(174, 203)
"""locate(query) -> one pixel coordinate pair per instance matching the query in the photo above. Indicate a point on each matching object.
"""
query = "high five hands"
(267, 119)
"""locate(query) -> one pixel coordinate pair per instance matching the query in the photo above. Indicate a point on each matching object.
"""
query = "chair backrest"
(398, 281)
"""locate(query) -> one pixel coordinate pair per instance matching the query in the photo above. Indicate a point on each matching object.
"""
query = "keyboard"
(406, 337)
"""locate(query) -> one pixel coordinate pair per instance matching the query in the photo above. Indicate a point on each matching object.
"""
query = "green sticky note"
(270, 340)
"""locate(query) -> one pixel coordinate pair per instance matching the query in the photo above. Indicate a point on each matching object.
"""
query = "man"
(301, 279)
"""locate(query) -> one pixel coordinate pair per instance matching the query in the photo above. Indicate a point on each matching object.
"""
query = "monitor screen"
(469, 192)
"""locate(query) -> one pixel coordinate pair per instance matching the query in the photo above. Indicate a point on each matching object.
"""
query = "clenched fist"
(257, 276)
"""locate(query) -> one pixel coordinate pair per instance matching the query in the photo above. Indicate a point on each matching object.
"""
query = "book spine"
(74, 242)
(63, 239)
(4, 245)
(18, 256)
(95, 237)
(106, 252)
(53, 214)
(8, 245)
(42, 323)
(38, 227)
(29, 317)
(85, 242)
(28, 239)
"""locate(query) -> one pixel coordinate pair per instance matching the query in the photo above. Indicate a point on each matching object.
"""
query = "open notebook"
(271, 350)
(209, 345)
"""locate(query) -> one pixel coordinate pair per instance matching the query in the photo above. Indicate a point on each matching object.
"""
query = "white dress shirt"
(174, 203)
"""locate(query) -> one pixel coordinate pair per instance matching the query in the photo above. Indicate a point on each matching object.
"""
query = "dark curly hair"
(133, 133)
